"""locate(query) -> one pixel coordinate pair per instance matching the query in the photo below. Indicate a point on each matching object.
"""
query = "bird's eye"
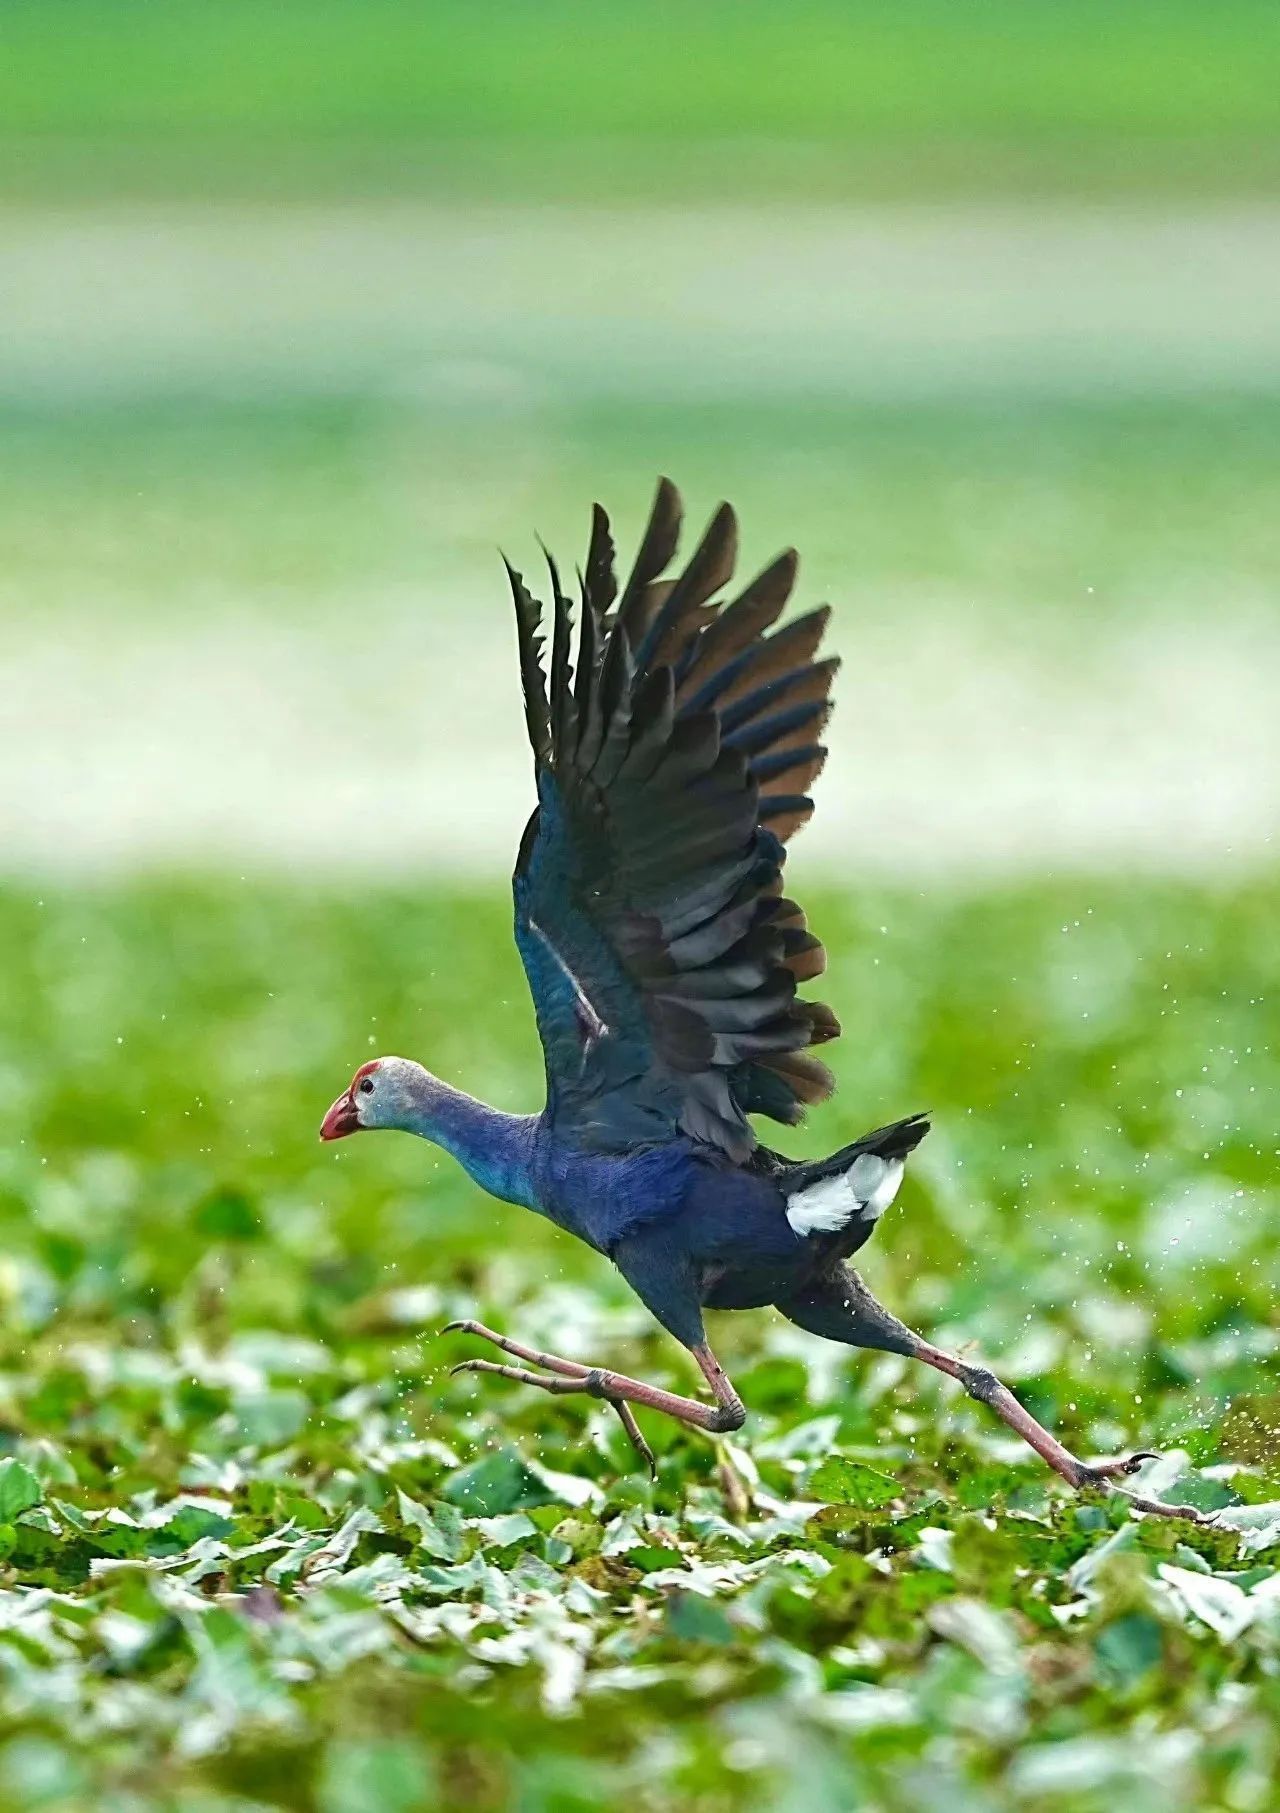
(366, 1087)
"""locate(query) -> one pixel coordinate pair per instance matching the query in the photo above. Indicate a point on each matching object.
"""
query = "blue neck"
(494, 1149)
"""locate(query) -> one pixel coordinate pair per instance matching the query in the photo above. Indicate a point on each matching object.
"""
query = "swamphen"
(674, 759)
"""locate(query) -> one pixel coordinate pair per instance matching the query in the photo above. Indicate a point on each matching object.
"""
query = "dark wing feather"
(740, 625)
(639, 599)
(599, 584)
(563, 708)
(672, 767)
(532, 680)
(674, 623)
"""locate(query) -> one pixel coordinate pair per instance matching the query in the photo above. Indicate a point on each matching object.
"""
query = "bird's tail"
(895, 1141)
(839, 1200)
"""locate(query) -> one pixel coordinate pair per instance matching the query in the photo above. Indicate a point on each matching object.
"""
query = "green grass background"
(1016, 509)
(571, 98)
(257, 1548)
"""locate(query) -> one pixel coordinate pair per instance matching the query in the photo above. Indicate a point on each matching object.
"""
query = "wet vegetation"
(260, 1550)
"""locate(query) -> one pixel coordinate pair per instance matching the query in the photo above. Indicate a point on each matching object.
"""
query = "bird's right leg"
(841, 1308)
(561, 1376)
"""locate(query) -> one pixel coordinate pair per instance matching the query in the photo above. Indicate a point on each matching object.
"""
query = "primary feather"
(673, 762)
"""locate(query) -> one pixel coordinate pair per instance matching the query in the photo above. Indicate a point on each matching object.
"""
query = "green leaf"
(1129, 1648)
(1259, 1526)
(986, 1632)
(374, 1775)
(848, 1482)
(228, 1215)
(696, 1619)
(500, 1532)
(650, 1559)
(268, 1418)
(36, 1772)
(500, 1482)
(453, 1582)
(438, 1527)
(187, 1526)
(19, 1489)
(1219, 1603)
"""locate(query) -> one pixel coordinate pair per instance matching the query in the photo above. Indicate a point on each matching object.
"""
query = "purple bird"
(674, 755)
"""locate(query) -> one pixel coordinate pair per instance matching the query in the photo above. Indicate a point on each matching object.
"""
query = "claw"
(1098, 1473)
(1156, 1507)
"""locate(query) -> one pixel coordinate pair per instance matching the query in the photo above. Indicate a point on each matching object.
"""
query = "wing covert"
(673, 762)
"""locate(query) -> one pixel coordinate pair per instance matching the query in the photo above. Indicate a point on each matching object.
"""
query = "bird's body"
(686, 1226)
(689, 1229)
(673, 757)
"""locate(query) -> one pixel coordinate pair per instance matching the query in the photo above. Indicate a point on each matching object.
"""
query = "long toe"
(1156, 1507)
(635, 1435)
(1103, 1476)
(519, 1373)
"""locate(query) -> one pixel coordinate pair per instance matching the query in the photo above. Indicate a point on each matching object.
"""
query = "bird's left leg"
(841, 1308)
(561, 1376)
(569, 1369)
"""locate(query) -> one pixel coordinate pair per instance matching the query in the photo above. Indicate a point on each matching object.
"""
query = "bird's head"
(382, 1093)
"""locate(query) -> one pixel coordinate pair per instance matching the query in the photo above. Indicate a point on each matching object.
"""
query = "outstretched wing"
(674, 757)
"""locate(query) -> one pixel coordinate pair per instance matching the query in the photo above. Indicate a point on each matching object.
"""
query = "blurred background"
(306, 310)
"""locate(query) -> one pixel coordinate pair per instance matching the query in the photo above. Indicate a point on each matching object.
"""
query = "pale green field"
(565, 99)
(1137, 510)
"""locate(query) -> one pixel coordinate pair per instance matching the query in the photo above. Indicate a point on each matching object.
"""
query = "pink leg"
(613, 1387)
(983, 1384)
(841, 1308)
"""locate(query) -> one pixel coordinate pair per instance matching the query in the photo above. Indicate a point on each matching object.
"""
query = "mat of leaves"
(260, 1550)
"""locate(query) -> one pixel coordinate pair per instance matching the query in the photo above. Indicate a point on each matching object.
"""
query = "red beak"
(341, 1119)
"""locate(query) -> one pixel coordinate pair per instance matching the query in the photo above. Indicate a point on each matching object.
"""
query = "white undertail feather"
(864, 1191)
